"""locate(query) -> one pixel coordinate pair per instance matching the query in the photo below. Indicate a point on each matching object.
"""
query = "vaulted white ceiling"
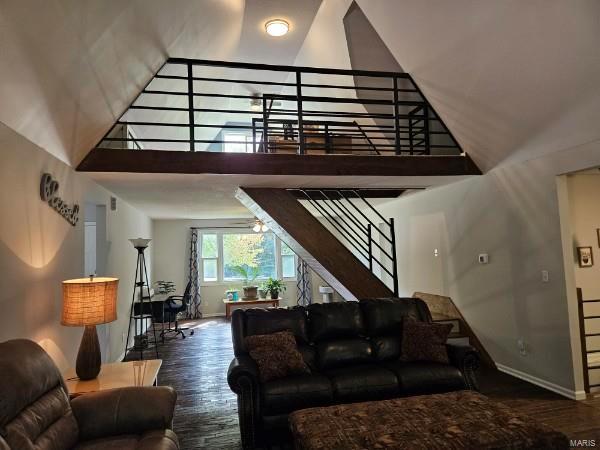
(70, 68)
(511, 79)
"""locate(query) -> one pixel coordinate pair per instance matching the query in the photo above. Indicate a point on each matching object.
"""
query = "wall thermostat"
(484, 258)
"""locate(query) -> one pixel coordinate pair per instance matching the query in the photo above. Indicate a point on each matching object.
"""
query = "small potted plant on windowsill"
(274, 287)
(249, 274)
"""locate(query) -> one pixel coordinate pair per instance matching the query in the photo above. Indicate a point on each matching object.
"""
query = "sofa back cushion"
(383, 316)
(255, 321)
(334, 321)
(387, 348)
(35, 412)
(342, 352)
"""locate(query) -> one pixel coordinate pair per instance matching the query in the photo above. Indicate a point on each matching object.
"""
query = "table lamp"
(88, 302)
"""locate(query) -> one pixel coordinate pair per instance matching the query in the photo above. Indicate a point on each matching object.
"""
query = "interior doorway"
(95, 243)
(579, 202)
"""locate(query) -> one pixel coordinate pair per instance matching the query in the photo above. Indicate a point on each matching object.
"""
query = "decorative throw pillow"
(424, 341)
(276, 355)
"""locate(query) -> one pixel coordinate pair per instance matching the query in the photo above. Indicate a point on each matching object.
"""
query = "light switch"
(545, 276)
(483, 258)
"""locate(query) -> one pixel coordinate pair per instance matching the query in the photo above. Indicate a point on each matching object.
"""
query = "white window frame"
(220, 269)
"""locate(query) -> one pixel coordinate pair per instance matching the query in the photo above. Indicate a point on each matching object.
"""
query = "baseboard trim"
(207, 316)
(561, 390)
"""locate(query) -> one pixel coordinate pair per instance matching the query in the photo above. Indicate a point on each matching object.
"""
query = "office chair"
(173, 305)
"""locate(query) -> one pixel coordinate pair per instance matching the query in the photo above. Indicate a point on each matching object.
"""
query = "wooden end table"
(115, 375)
(229, 304)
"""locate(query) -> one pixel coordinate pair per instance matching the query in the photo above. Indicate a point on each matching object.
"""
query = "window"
(288, 262)
(232, 257)
(252, 253)
(210, 255)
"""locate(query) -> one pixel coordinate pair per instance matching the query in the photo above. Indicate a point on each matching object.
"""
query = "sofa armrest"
(243, 379)
(241, 368)
(466, 359)
(131, 410)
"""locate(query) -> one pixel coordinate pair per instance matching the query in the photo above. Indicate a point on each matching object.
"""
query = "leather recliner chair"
(353, 351)
(36, 413)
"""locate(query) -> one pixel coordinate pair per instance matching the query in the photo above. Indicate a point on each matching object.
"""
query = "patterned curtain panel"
(193, 308)
(304, 291)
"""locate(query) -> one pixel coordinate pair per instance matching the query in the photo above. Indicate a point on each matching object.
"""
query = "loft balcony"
(199, 116)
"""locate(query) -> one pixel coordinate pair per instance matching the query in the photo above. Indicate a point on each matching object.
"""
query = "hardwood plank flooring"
(206, 411)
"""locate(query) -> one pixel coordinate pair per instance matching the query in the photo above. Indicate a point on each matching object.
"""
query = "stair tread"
(436, 317)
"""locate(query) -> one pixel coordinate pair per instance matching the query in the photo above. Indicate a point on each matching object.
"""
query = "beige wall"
(39, 249)
(584, 205)
(170, 249)
(512, 214)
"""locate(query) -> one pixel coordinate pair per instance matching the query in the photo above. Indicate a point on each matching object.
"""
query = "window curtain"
(193, 308)
(304, 291)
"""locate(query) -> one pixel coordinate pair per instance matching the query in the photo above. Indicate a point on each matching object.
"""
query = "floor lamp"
(144, 302)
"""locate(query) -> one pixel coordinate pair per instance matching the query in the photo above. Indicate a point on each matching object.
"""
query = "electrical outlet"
(521, 346)
(123, 338)
(483, 258)
(545, 276)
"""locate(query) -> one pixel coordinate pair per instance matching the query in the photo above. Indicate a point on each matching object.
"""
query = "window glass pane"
(288, 266)
(209, 246)
(210, 269)
(285, 250)
(248, 256)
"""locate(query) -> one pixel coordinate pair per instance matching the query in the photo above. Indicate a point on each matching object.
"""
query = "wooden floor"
(206, 412)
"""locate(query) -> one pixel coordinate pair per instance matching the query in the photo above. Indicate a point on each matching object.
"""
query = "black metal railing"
(584, 335)
(200, 105)
(357, 224)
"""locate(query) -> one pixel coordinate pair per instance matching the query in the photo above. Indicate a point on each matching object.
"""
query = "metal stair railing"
(355, 227)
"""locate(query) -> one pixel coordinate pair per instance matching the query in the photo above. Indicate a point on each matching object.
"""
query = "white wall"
(170, 249)
(584, 205)
(39, 249)
(511, 213)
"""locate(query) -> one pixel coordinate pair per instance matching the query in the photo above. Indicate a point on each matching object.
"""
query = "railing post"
(369, 238)
(254, 135)
(426, 128)
(584, 359)
(394, 259)
(398, 148)
(190, 81)
(301, 143)
(265, 136)
(327, 139)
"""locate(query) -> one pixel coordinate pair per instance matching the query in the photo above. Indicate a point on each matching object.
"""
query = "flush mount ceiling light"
(277, 27)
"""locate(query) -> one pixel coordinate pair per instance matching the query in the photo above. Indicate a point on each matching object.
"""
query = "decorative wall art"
(585, 256)
(49, 194)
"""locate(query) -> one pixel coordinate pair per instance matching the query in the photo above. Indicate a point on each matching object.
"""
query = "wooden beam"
(160, 161)
(314, 243)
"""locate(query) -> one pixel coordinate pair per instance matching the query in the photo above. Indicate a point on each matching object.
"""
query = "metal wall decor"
(49, 194)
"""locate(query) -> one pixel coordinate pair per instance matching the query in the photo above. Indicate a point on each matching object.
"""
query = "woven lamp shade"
(89, 301)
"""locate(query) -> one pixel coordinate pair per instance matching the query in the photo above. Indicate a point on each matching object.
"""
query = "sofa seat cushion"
(151, 440)
(296, 392)
(424, 377)
(362, 382)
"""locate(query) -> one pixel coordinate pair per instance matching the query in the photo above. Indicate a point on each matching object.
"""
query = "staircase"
(344, 253)
(443, 310)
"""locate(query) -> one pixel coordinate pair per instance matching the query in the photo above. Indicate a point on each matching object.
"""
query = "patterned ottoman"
(456, 420)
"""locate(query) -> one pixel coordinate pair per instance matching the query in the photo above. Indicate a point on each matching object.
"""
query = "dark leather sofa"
(36, 413)
(352, 349)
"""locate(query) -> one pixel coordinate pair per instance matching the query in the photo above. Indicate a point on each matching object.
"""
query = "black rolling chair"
(173, 305)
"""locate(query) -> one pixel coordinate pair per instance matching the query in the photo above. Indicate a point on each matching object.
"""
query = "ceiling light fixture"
(255, 104)
(277, 27)
(259, 226)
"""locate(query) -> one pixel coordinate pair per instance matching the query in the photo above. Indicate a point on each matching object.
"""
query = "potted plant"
(274, 287)
(262, 291)
(249, 274)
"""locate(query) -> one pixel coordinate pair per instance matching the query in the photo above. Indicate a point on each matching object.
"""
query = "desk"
(229, 304)
(115, 375)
